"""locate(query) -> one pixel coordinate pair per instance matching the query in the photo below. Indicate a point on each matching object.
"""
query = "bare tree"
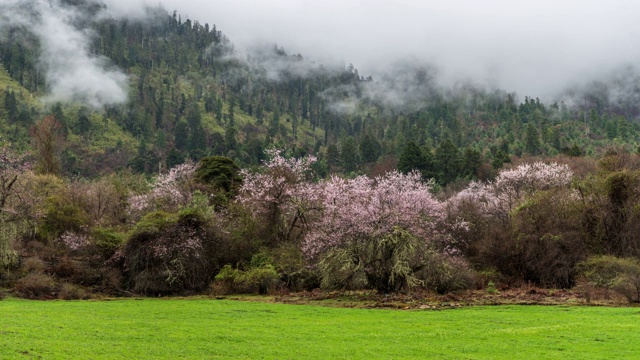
(47, 143)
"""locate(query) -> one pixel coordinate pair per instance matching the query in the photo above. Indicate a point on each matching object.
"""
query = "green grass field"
(211, 329)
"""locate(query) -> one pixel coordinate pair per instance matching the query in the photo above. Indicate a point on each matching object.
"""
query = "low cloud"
(72, 73)
(531, 48)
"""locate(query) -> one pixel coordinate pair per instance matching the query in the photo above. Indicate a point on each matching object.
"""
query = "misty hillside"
(150, 92)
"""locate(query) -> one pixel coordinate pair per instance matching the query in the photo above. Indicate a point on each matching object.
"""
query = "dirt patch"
(430, 301)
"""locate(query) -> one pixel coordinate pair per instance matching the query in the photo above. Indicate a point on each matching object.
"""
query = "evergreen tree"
(84, 124)
(447, 162)
(471, 162)
(532, 140)
(411, 159)
(230, 141)
(348, 154)
(181, 135)
(11, 105)
(333, 157)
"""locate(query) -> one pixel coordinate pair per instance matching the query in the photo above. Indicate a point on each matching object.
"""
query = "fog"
(72, 73)
(532, 48)
(538, 49)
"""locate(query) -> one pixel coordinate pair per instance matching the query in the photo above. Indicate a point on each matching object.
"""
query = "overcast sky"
(532, 47)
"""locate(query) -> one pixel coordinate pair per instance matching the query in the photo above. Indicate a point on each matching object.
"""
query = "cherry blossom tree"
(376, 229)
(521, 223)
(280, 194)
(369, 229)
(511, 187)
(168, 191)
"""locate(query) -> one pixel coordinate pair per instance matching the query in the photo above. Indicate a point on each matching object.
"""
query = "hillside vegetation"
(216, 171)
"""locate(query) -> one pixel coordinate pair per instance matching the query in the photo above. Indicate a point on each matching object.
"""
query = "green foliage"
(491, 288)
(153, 222)
(8, 255)
(168, 254)
(387, 265)
(444, 273)
(256, 280)
(61, 215)
(620, 274)
(107, 241)
(221, 174)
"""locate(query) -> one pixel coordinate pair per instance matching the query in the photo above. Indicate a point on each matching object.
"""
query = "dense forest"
(146, 194)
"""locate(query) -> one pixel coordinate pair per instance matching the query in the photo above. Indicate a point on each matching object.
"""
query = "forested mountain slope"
(191, 94)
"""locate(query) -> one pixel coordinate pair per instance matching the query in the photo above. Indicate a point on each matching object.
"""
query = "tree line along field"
(212, 227)
(183, 190)
(156, 329)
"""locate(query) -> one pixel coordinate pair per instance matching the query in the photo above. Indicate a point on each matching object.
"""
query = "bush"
(36, 286)
(33, 264)
(72, 292)
(444, 273)
(61, 215)
(546, 242)
(107, 242)
(262, 280)
(168, 254)
(619, 274)
(290, 263)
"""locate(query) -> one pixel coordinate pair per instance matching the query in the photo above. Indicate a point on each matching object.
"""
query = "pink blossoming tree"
(373, 229)
(510, 188)
(168, 192)
(280, 194)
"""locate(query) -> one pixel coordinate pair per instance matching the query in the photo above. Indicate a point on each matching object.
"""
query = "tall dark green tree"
(471, 162)
(369, 149)
(448, 162)
(348, 154)
(11, 105)
(333, 157)
(412, 158)
(532, 140)
(181, 134)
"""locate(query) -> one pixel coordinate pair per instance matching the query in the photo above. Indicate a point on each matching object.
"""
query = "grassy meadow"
(211, 329)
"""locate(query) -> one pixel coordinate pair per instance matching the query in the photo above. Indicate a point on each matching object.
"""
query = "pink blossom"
(511, 187)
(282, 192)
(168, 191)
(356, 211)
(74, 241)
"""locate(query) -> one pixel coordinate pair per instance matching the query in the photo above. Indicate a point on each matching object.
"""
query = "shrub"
(445, 273)
(290, 263)
(619, 274)
(106, 241)
(167, 254)
(33, 264)
(224, 282)
(36, 286)
(261, 280)
(61, 215)
(221, 176)
(72, 292)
